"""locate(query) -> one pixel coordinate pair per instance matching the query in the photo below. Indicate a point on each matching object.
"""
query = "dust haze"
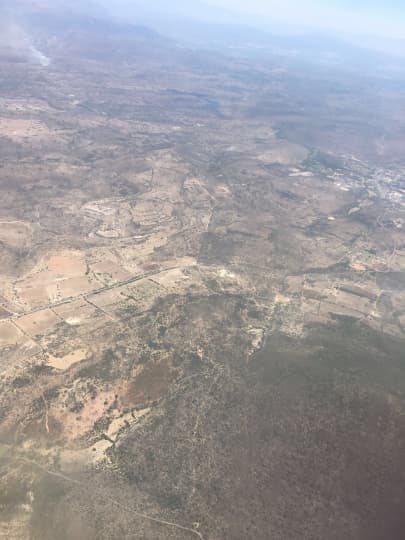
(202, 278)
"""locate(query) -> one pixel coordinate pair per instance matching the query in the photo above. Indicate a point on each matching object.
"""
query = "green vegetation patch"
(101, 370)
(21, 381)
(212, 284)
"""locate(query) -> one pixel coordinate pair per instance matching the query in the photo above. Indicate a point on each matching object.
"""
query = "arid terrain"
(202, 293)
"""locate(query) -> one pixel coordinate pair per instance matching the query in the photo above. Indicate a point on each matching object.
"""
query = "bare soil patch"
(67, 361)
(9, 334)
(38, 323)
(4, 314)
(79, 423)
(76, 312)
(67, 263)
(14, 233)
(18, 129)
(77, 285)
(109, 271)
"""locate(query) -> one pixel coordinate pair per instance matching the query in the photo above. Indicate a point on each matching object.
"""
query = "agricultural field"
(202, 295)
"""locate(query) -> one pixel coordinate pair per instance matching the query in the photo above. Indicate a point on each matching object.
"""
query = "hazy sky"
(378, 17)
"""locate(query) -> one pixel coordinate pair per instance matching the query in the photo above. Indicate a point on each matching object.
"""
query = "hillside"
(202, 297)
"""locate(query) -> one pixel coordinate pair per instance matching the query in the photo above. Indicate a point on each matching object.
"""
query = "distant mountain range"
(198, 25)
(157, 10)
(89, 7)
